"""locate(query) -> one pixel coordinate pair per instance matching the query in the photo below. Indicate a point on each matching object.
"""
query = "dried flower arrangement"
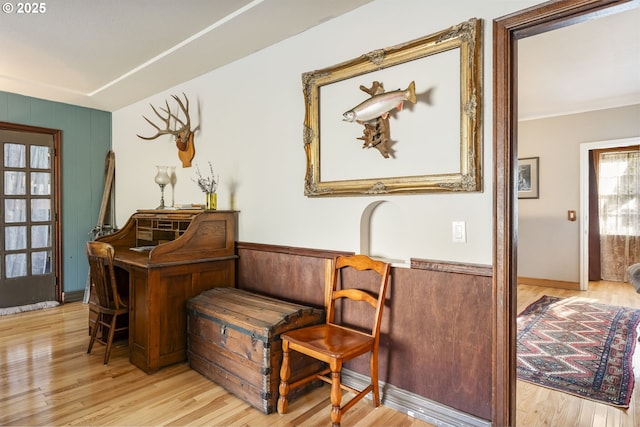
(208, 184)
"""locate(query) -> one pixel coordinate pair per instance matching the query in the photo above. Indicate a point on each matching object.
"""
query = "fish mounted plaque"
(373, 114)
(440, 126)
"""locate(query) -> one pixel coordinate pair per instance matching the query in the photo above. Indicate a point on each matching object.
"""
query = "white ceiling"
(109, 54)
(583, 67)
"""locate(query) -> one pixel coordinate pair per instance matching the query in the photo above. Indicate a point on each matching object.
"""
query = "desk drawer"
(166, 225)
(145, 234)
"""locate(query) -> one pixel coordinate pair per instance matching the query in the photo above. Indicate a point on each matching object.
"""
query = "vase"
(211, 201)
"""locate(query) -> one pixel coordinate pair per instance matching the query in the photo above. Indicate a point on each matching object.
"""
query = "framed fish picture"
(404, 119)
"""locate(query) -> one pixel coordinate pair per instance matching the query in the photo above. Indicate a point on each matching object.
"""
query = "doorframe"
(506, 32)
(585, 148)
(56, 134)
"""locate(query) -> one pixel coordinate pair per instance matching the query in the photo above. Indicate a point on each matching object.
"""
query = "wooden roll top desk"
(168, 257)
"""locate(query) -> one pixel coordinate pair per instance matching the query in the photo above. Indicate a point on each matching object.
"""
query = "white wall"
(548, 244)
(252, 113)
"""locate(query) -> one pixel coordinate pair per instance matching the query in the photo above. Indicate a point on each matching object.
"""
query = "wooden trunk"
(234, 340)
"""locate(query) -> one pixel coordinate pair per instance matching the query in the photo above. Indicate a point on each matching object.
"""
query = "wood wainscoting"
(436, 335)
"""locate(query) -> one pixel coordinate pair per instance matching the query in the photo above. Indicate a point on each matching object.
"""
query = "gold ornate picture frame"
(447, 68)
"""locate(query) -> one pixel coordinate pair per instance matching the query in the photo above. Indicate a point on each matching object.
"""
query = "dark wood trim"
(549, 283)
(57, 200)
(291, 250)
(27, 128)
(452, 267)
(57, 164)
(73, 296)
(506, 32)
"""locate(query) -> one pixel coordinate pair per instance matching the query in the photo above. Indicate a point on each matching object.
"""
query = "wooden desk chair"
(109, 305)
(336, 344)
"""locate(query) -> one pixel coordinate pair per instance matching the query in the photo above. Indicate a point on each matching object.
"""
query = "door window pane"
(14, 155)
(16, 265)
(15, 210)
(40, 209)
(15, 238)
(619, 193)
(40, 183)
(15, 183)
(27, 218)
(40, 236)
(40, 158)
(41, 262)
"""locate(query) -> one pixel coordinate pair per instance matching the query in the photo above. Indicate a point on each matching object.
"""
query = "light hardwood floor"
(46, 378)
(538, 406)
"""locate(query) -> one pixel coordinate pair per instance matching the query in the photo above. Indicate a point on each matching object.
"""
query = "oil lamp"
(162, 179)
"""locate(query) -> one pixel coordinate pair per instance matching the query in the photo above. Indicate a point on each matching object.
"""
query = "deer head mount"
(181, 129)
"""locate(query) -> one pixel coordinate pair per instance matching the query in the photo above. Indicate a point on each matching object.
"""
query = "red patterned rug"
(578, 347)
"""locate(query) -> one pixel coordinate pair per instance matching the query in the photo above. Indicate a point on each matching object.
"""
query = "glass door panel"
(27, 223)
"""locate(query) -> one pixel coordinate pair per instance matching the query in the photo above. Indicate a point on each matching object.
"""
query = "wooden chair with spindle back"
(109, 304)
(335, 343)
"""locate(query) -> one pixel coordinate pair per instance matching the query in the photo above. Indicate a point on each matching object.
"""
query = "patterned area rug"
(578, 347)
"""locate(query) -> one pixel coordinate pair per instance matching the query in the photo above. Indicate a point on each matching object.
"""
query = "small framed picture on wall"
(528, 169)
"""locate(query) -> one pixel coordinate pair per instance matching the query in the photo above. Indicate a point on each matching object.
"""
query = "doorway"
(506, 32)
(29, 218)
(585, 152)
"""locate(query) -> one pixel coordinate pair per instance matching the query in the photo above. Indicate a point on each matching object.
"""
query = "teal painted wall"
(86, 138)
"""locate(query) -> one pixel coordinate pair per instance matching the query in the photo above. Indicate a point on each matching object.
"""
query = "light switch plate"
(459, 232)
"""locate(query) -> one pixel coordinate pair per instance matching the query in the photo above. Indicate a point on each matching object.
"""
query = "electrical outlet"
(459, 232)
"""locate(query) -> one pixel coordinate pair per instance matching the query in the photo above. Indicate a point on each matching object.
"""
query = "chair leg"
(112, 331)
(373, 364)
(94, 331)
(285, 373)
(336, 393)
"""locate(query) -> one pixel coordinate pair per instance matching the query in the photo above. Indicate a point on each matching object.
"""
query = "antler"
(182, 134)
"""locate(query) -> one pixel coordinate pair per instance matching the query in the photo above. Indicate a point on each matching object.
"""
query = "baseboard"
(414, 405)
(548, 283)
(73, 296)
